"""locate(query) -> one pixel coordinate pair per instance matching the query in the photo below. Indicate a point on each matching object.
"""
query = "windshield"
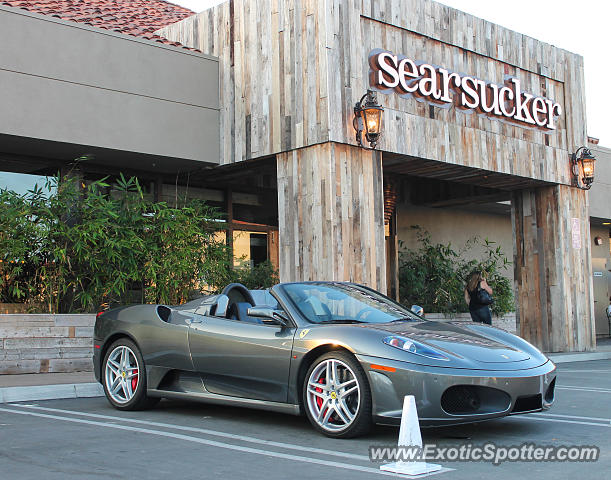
(344, 303)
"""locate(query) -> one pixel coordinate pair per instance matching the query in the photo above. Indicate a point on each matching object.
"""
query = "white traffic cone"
(409, 437)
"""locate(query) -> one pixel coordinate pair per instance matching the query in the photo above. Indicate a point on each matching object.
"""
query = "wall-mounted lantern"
(583, 166)
(368, 119)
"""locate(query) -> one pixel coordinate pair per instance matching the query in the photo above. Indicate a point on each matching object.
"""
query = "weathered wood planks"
(45, 343)
(331, 215)
(553, 268)
(291, 71)
(439, 35)
(273, 83)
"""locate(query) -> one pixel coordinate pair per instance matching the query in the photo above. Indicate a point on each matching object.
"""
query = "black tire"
(139, 400)
(362, 422)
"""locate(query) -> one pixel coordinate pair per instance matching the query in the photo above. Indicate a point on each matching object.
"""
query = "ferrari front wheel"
(337, 397)
(124, 378)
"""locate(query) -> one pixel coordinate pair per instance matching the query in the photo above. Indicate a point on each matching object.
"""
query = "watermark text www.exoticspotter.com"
(486, 452)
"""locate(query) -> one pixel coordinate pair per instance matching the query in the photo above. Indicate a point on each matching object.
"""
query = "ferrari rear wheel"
(124, 377)
(336, 396)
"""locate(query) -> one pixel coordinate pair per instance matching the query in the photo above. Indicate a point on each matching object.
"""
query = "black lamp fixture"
(583, 166)
(368, 119)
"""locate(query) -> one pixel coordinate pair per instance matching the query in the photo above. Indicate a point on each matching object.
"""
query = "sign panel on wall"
(439, 86)
(576, 233)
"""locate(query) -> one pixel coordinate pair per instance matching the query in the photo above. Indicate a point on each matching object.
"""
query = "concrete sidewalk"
(48, 386)
(603, 352)
(34, 379)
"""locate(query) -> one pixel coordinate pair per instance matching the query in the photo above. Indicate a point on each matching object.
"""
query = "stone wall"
(46, 343)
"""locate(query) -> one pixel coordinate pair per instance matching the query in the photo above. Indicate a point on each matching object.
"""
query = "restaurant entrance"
(550, 238)
(469, 110)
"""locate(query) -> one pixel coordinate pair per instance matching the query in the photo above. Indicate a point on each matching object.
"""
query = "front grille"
(460, 400)
(527, 403)
(474, 400)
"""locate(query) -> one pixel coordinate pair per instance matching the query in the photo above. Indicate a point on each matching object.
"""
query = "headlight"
(412, 346)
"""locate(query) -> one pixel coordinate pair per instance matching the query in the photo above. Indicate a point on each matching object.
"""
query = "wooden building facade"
(290, 74)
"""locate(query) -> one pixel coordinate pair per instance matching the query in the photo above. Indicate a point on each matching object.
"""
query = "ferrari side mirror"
(269, 315)
(418, 310)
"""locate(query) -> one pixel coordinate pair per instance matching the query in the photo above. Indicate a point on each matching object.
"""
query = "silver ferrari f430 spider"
(340, 353)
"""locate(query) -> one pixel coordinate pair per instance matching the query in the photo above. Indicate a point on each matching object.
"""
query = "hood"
(458, 341)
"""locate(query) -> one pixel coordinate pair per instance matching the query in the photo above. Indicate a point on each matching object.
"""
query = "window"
(22, 182)
(249, 248)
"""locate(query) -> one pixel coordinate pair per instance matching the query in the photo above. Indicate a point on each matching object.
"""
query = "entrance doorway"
(452, 203)
(550, 230)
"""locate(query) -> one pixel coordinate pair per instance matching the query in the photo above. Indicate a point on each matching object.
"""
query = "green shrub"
(78, 248)
(434, 275)
(262, 275)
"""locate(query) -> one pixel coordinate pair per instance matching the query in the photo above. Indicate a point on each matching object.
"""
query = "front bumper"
(477, 394)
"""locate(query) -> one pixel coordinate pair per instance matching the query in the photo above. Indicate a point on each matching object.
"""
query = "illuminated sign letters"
(442, 87)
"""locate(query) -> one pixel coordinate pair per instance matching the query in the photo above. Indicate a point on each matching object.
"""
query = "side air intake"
(164, 313)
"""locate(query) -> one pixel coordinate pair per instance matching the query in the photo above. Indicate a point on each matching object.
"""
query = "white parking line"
(544, 418)
(585, 386)
(575, 417)
(203, 441)
(205, 431)
(575, 388)
(213, 443)
(583, 371)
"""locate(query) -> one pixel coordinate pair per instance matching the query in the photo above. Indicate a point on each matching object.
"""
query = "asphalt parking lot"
(86, 438)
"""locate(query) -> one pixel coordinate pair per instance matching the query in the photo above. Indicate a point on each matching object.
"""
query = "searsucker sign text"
(444, 88)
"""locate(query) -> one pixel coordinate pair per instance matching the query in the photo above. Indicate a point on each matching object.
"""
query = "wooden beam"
(455, 202)
(331, 215)
(552, 268)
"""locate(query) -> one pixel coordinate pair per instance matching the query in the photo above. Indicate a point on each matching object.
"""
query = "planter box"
(506, 322)
(44, 343)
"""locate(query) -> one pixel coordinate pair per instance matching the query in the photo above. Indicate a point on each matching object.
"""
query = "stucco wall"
(70, 83)
(600, 193)
(456, 226)
(601, 267)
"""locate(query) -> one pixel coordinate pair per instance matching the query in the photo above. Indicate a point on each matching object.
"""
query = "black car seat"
(239, 311)
(238, 293)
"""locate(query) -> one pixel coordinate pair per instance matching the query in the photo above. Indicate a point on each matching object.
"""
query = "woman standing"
(480, 312)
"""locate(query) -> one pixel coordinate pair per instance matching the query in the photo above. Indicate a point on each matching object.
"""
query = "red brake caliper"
(319, 400)
(135, 380)
(319, 390)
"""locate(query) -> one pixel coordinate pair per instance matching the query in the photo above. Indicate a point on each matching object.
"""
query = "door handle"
(194, 320)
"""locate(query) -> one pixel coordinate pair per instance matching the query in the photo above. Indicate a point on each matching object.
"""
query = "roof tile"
(140, 18)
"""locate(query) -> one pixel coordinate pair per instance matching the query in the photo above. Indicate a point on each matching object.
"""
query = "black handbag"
(483, 297)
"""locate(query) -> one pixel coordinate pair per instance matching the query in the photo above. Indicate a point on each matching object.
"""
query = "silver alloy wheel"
(121, 374)
(333, 395)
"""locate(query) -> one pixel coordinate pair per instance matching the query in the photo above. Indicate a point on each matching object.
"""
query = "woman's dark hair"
(473, 281)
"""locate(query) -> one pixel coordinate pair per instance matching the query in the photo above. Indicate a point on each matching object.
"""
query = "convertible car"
(343, 354)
